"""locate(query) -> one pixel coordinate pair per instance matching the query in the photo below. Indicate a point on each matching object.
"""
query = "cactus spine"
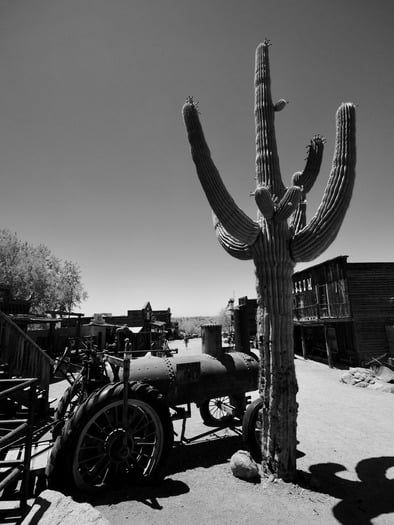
(278, 239)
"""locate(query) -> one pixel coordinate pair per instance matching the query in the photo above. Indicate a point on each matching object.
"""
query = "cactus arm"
(267, 160)
(232, 246)
(314, 238)
(284, 209)
(288, 204)
(298, 220)
(233, 219)
(282, 103)
(264, 202)
(307, 178)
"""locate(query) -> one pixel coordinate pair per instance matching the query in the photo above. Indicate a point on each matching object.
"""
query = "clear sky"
(94, 159)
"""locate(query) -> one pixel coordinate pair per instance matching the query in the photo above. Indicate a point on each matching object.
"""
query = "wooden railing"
(16, 433)
(23, 357)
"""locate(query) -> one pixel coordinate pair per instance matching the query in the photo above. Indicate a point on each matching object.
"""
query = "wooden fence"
(23, 357)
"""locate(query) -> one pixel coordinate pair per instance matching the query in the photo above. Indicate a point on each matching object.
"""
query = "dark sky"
(94, 160)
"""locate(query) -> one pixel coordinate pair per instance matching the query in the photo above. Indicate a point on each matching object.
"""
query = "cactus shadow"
(206, 453)
(361, 500)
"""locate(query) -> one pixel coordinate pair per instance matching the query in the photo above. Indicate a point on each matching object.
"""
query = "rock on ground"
(367, 378)
(53, 508)
(243, 466)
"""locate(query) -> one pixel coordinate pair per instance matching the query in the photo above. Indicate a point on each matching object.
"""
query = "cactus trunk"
(278, 384)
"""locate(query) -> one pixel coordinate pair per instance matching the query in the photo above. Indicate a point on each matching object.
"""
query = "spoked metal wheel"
(105, 442)
(107, 449)
(215, 412)
(252, 427)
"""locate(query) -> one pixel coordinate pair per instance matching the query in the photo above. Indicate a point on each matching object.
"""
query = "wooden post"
(328, 348)
(52, 351)
(237, 330)
(244, 322)
(303, 343)
(241, 329)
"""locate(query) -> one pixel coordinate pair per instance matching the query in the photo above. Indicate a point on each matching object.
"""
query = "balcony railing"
(322, 311)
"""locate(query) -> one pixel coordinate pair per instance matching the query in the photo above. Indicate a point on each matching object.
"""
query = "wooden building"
(244, 322)
(344, 312)
(9, 305)
(145, 325)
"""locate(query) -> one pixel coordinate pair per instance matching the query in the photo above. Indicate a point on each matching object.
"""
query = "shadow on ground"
(183, 457)
(361, 500)
(207, 453)
(199, 454)
(148, 493)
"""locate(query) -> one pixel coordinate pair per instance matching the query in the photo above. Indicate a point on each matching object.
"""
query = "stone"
(385, 387)
(346, 377)
(356, 370)
(244, 467)
(53, 508)
(362, 384)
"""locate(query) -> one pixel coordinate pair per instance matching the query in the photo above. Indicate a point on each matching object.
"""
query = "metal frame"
(187, 441)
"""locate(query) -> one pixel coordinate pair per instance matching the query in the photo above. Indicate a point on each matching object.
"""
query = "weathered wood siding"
(371, 293)
(23, 356)
(320, 292)
(249, 306)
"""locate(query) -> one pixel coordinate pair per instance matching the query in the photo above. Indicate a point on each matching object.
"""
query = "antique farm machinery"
(115, 421)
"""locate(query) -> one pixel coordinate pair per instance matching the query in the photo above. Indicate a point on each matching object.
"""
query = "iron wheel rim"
(217, 409)
(108, 451)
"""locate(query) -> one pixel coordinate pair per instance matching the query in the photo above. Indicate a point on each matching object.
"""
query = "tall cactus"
(277, 240)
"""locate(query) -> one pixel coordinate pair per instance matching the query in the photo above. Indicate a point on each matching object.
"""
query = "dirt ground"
(345, 464)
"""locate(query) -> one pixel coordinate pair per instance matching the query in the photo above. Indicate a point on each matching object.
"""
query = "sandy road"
(346, 460)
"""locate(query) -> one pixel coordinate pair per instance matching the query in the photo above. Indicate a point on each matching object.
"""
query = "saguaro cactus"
(277, 240)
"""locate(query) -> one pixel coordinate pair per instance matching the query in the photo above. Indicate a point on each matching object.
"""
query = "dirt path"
(346, 451)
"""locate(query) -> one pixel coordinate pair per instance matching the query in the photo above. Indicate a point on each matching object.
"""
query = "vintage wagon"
(115, 422)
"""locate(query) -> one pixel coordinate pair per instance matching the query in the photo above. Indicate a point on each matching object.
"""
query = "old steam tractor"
(115, 421)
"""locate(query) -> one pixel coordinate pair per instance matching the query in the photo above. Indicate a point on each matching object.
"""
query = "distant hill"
(192, 325)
